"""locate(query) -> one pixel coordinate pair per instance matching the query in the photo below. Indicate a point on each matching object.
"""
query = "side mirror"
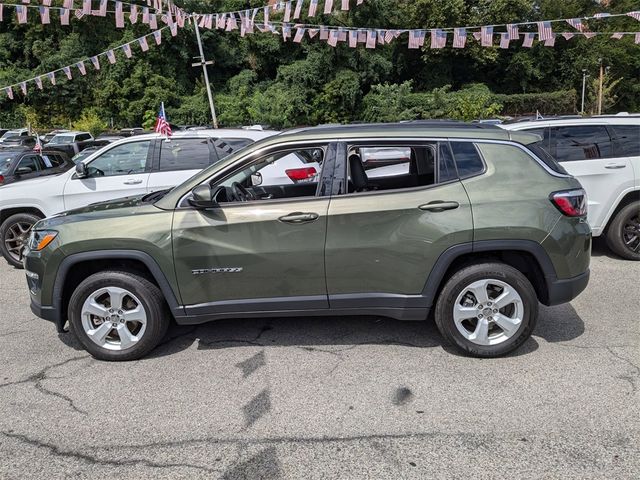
(81, 170)
(256, 179)
(23, 170)
(202, 197)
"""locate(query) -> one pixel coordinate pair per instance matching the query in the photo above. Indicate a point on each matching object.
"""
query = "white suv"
(603, 153)
(132, 166)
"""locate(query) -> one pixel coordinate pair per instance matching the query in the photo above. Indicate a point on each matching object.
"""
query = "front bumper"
(565, 290)
(48, 313)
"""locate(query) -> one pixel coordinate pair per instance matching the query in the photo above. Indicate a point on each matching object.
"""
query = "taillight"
(572, 203)
(301, 174)
(1, 179)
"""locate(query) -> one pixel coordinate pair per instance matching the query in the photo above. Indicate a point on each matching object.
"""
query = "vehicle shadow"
(599, 248)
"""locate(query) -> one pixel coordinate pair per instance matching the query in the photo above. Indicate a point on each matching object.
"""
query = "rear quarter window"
(467, 159)
(626, 140)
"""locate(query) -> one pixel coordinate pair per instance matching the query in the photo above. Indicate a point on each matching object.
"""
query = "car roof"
(576, 120)
(70, 132)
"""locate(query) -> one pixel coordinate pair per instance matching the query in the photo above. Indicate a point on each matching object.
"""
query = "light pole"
(204, 64)
(600, 87)
(584, 87)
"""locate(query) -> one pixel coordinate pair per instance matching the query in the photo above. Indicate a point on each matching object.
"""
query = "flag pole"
(206, 75)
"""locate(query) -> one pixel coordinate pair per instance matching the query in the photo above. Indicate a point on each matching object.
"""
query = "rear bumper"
(565, 290)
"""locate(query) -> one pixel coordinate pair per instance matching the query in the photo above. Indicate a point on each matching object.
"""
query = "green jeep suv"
(470, 224)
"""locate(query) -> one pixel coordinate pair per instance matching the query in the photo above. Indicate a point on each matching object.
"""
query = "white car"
(132, 166)
(603, 153)
(13, 134)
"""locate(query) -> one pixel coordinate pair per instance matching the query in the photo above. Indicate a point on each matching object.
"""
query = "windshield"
(78, 157)
(61, 139)
(10, 134)
(5, 162)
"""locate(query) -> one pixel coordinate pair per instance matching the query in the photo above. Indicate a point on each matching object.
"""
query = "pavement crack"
(60, 452)
(632, 378)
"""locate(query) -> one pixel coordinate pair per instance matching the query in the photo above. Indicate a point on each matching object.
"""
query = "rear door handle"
(439, 206)
(132, 181)
(614, 166)
(299, 217)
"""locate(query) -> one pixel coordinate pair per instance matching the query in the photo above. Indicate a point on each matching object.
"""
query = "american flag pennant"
(44, 15)
(362, 36)
(371, 39)
(637, 38)
(435, 41)
(324, 33)
(345, 5)
(209, 23)
(298, 10)
(380, 36)
(459, 37)
(79, 14)
(1, 11)
(287, 12)
(545, 32)
(111, 56)
(145, 15)
(588, 34)
(328, 6)
(52, 77)
(232, 23)
(313, 32)
(528, 40)
(96, 62)
(153, 22)
(23, 85)
(81, 68)
(64, 16)
(46, 3)
(286, 32)
(576, 23)
(221, 21)
(417, 38)
(119, 15)
(21, 13)
(617, 36)
(38, 81)
(86, 7)
(173, 28)
(143, 43)
(486, 36)
(68, 4)
(9, 92)
(353, 38)
(313, 8)
(333, 38)
(299, 35)
(389, 36)
(568, 35)
(170, 20)
(512, 32)
(103, 8)
(126, 48)
(180, 18)
(504, 40)
(67, 72)
(201, 20)
(133, 14)
(342, 35)
(26, 2)
(635, 15)
(550, 42)
(477, 36)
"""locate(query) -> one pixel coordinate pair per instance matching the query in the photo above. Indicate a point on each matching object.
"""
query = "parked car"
(20, 141)
(46, 138)
(603, 153)
(71, 142)
(17, 165)
(131, 166)
(478, 231)
(12, 134)
(3, 131)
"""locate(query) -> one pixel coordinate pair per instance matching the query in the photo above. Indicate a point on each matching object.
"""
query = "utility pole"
(203, 63)
(600, 88)
(584, 87)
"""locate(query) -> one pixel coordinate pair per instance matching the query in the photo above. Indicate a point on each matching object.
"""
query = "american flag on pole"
(459, 37)
(38, 145)
(545, 32)
(576, 23)
(162, 125)
(512, 32)
(486, 36)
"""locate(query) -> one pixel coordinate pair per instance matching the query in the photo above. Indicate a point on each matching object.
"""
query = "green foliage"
(551, 103)
(90, 121)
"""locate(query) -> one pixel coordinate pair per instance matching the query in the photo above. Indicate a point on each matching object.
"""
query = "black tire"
(459, 281)
(149, 295)
(6, 232)
(628, 217)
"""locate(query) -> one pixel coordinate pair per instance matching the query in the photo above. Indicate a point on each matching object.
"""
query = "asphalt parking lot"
(329, 397)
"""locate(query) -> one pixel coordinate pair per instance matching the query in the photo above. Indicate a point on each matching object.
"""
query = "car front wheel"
(15, 234)
(118, 315)
(487, 310)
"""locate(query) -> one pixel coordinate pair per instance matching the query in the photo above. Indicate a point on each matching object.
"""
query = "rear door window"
(32, 162)
(467, 158)
(226, 146)
(185, 154)
(580, 142)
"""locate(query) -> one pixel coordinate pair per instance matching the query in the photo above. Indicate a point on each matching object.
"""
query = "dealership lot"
(329, 397)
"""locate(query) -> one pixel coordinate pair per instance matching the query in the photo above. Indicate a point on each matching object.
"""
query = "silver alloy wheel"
(114, 318)
(16, 238)
(488, 312)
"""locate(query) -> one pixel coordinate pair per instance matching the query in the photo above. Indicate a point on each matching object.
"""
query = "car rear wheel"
(487, 310)
(118, 315)
(623, 235)
(15, 234)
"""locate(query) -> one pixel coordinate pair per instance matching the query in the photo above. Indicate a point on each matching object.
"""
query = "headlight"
(39, 239)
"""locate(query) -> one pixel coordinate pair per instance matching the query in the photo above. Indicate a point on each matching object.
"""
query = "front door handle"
(439, 206)
(299, 217)
(132, 181)
(614, 166)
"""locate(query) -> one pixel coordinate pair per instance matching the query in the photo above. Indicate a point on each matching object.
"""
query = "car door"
(177, 159)
(587, 153)
(266, 254)
(120, 171)
(393, 218)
